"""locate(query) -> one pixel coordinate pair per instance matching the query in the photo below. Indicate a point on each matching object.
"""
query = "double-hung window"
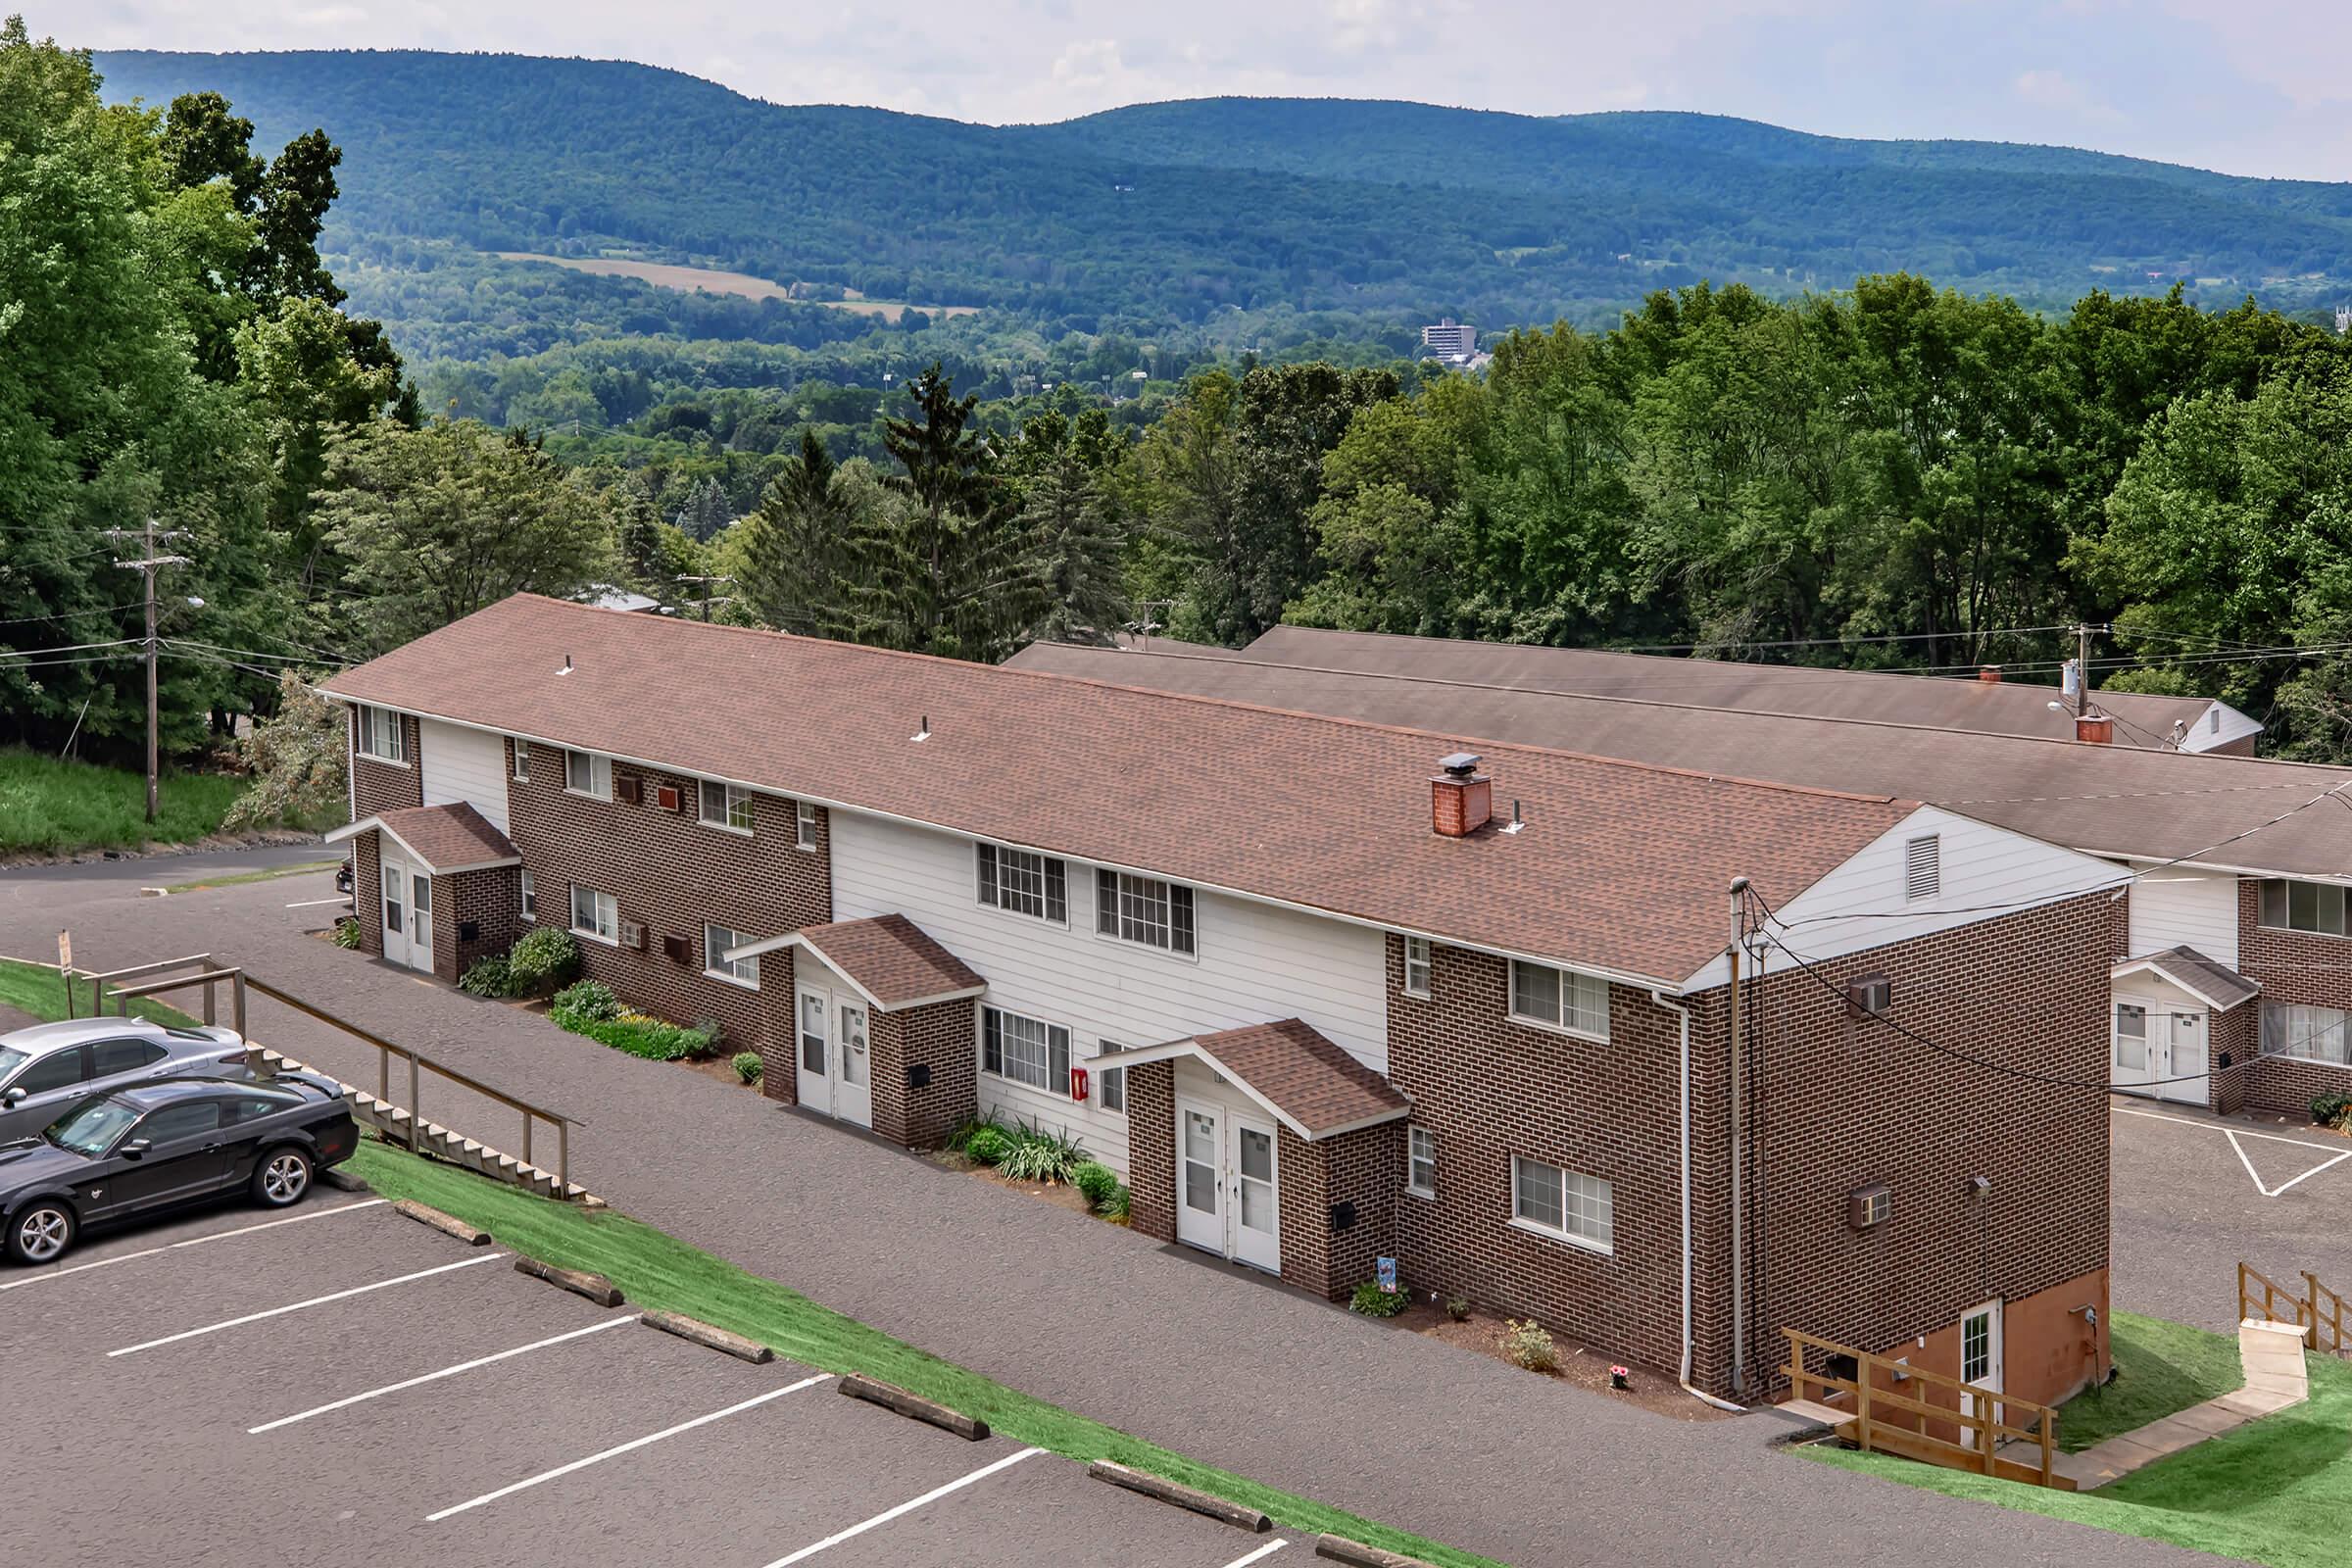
(2313, 1034)
(1560, 1202)
(717, 940)
(382, 736)
(1145, 909)
(522, 760)
(587, 773)
(804, 825)
(1416, 966)
(530, 896)
(726, 805)
(1421, 1162)
(594, 915)
(1027, 1050)
(2303, 907)
(1023, 882)
(1561, 999)
(1110, 1082)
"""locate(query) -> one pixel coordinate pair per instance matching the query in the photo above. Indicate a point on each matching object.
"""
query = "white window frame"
(380, 727)
(734, 803)
(1053, 1043)
(804, 825)
(998, 867)
(2291, 1031)
(522, 760)
(529, 896)
(2277, 896)
(1106, 1076)
(1418, 954)
(604, 908)
(1569, 1197)
(600, 775)
(1420, 1152)
(1570, 983)
(744, 972)
(1117, 894)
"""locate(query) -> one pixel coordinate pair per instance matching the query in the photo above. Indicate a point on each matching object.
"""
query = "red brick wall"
(671, 873)
(1363, 1168)
(942, 1038)
(778, 1048)
(490, 897)
(367, 891)
(379, 786)
(2302, 968)
(1152, 1149)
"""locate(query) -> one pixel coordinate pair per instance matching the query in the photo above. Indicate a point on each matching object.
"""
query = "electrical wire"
(1835, 642)
(70, 648)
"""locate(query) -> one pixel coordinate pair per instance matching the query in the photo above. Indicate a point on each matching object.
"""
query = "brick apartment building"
(1325, 991)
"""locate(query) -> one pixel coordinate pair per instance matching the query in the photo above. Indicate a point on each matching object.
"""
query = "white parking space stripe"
(1264, 1551)
(2217, 1127)
(193, 1240)
(298, 1306)
(630, 1447)
(907, 1508)
(434, 1376)
(307, 904)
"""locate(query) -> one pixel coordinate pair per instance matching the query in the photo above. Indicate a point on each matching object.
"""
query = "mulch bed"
(1581, 1365)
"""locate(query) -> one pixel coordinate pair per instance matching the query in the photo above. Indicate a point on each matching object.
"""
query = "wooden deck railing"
(2318, 1311)
(1883, 1420)
(2327, 1310)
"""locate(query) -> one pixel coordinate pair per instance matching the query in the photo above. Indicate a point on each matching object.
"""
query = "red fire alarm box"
(1078, 1085)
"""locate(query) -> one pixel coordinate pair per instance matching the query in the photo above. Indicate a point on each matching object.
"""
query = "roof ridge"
(1235, 705)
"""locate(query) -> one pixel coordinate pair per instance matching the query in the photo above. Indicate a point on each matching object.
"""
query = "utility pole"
(147, 565)
(706, 583)
(1146, 626)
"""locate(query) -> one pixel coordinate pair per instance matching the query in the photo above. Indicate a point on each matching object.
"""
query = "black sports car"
(153, 1146)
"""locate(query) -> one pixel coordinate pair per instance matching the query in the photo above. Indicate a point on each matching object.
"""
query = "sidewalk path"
(1231, 1369)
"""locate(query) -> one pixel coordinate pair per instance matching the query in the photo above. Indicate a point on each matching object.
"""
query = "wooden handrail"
(1982, 1412)
(2266, 1305)
(2326, 1314)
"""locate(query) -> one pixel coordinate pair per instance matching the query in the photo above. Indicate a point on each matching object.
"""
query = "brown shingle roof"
(2198, 976)
(1623, 868)
(2110, 800)
(1316, 1088)
(446, 838)
(892, 959)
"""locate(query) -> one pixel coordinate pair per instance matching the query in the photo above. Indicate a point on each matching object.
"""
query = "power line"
(1835, 642)
(66, 648)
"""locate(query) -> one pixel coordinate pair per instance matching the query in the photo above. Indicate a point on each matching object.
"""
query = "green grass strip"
(30, 988)
(657, 1270)
(243, 877)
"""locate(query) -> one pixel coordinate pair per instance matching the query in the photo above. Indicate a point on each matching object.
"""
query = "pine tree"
(1080, 550)
(796, 545)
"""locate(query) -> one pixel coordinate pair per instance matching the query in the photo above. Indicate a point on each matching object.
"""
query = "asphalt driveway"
(1236, 1371)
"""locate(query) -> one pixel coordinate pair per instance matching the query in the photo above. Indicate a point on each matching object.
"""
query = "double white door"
(836, 1058)
(2163, 1051)
(1226, 1186)
(408, 914)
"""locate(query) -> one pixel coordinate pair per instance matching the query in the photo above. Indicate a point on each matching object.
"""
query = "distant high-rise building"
(1450, 336)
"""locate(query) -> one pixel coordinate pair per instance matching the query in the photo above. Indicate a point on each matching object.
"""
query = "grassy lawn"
(2277, 1491)
(243, 877)
(53, 807)
(33, 988)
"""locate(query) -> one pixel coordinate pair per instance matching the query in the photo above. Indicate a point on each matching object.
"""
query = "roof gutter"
(1683, 1012)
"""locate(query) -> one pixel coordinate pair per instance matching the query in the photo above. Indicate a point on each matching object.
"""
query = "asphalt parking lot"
(343, 1384)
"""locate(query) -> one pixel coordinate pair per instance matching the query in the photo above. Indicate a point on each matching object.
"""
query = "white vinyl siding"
(2173, 907)
(1261, 964)
(455, 763)
(717, 940)
(1023, 882)
(1561, 999)
(1421, 1162)
(1027, 1050)
(1581, 1209)
(1416, 966)
(594, 915)
(1923, 868)
(1145, 909)
(726, 805)
(588, 773)
(381, 734)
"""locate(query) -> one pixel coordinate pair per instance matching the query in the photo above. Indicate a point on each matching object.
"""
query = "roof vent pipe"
(1460, 798)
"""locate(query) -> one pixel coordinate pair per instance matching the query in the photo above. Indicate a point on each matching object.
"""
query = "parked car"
(45, 1071)
(154, 1145)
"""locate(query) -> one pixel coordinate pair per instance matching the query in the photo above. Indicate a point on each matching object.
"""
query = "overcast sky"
(2249, 86)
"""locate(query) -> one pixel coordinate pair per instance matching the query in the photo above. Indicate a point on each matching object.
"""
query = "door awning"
(1295, 1072)
(2210, 981)
(439, 837)
(888, 959)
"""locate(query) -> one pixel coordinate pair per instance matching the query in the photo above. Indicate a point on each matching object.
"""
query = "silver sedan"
(46, 1070)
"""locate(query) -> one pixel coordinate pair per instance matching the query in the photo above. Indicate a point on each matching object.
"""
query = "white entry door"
(1980, 1364)
(2186, 1057)
(408, 915)
(2131, 1062)
(835, 1060)
(1227, 1186)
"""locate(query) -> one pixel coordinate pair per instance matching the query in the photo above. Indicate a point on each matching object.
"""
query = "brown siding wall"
(2301, 968)
(379, 786)
(941, 1037)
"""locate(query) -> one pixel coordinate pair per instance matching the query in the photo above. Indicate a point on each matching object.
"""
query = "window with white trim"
(726, 805)
(1416, 966)
(717, 940)
(1561, 999)
(522, 760)
(531, 897)
(804, 825)
(1145, 909)
(1421, 1161)
(1576, 1208)
(382, 736)
(1110, 1082)
(594, 915)
(1923, 868)
(2312, 1033)
(587, 773)
(2316, 907)
(1027, 1050)
(1023, 882)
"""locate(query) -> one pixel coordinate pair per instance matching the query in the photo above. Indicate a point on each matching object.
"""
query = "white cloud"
(2055, 89)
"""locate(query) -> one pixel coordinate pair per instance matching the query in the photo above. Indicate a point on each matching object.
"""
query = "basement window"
(1923, 868)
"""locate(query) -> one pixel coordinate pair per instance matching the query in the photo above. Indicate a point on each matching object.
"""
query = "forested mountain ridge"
(1177, 211)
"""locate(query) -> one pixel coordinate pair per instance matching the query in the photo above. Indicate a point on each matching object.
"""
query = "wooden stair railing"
(2261, 1296)
(1991, 1417)
(2327, 1312)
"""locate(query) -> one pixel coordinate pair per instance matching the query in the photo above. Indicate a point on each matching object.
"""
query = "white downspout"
(1684, 1014)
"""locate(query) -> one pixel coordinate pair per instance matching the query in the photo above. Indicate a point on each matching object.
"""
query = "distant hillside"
(1177, 211)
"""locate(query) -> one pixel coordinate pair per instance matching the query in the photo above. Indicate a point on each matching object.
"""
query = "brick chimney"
(2094, 729)
(1460, 797)
(1990, 674)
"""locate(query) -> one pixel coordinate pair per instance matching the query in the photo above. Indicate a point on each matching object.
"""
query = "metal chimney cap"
(1461, 765)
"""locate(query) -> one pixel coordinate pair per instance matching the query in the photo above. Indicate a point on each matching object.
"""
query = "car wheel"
(281, 1178)
(41, 1232)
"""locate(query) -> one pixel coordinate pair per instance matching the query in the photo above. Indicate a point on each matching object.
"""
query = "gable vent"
(1923, 866)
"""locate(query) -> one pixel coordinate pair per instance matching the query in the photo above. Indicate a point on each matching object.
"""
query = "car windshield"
(89, 1128)
(11, 1059)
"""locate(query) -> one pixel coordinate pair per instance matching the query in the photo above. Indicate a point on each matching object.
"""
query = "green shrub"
(1373, 1302)
(489, 977)
(747, 1066)
(1038, 1156)
(1530, 1346)
(584, 1002)
(1115, 1208)
(640, 1035)
(2328, 1111)
(542, 961)
(1457, 1308)
(1095, 1180)
(347, 933)
(988, 1143)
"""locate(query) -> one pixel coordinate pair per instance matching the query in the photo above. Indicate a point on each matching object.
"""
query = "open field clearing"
(665, 274)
